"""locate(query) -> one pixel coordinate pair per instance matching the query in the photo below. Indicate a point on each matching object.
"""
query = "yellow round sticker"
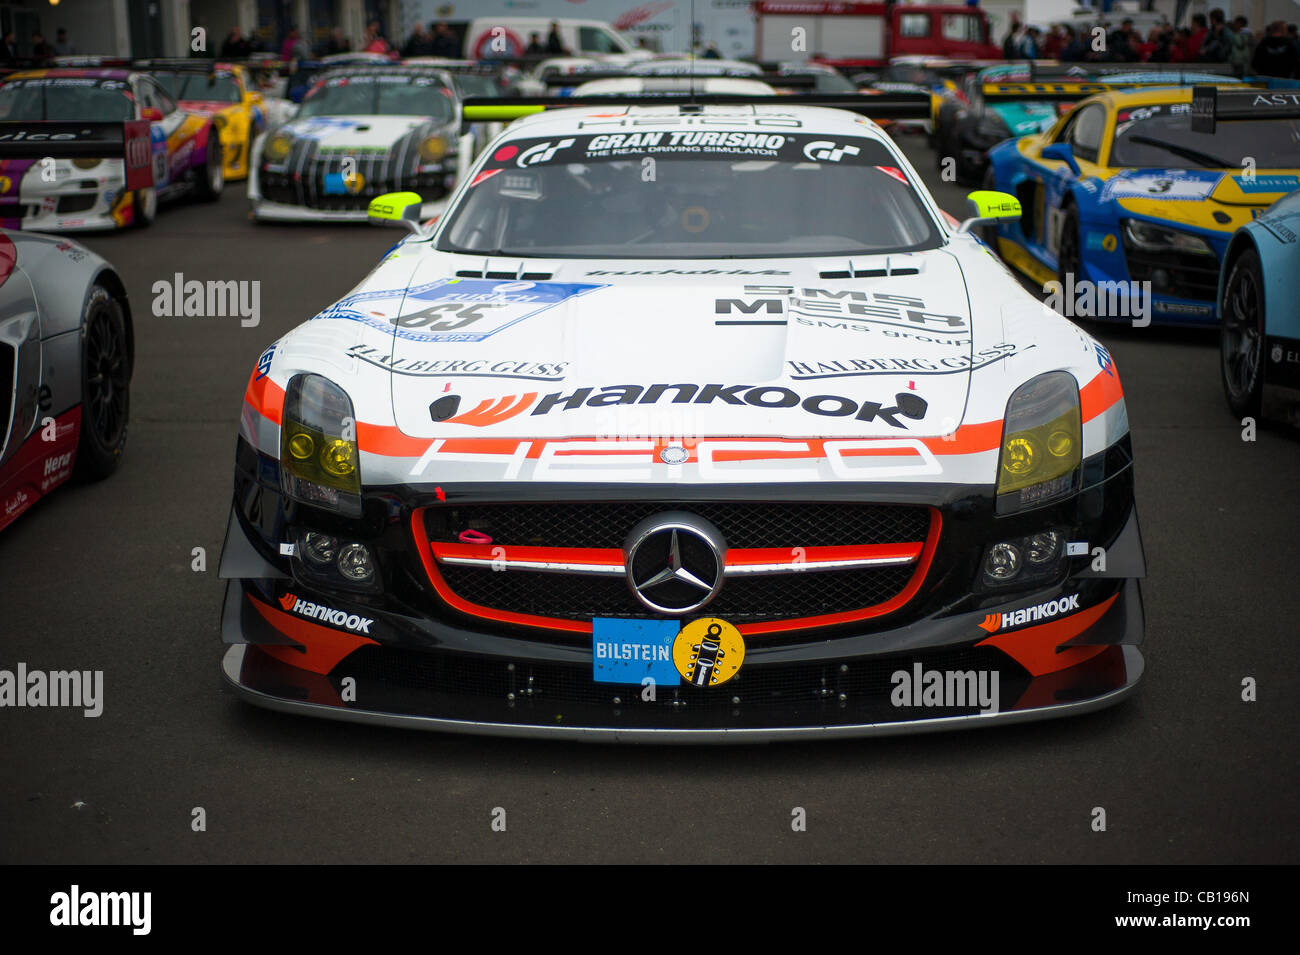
(695, 219)
(5, 184)
(708, 652)
(1109, 242)
(353, 182)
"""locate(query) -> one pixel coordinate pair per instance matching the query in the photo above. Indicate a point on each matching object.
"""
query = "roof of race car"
(72, 73)
(821, 120)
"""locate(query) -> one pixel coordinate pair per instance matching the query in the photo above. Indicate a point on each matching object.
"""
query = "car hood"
(354, 132)
(1204, 198)
(619, 348)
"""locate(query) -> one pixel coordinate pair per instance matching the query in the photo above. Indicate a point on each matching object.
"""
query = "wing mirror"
(990, 207)
(1061, 152)
(397, 208)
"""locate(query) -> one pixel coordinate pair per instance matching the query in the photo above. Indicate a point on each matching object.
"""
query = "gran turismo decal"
(338, 618)
(492, 411)
(1018, 618)
(461, 367)
(860, 367)
(455, 310)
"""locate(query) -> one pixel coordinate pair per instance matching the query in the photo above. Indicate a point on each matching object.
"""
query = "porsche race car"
(762, 446)
(66, 355)
(52, 194)
(359, 133)
(1125, 195)
(240, 111)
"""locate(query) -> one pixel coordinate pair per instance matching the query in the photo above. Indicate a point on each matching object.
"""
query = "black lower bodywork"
(423, 663)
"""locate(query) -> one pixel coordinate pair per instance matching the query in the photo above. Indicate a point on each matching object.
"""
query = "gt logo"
(542, 152)
(824, 151)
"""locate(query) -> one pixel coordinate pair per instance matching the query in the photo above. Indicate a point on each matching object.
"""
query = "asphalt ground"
(100, 577)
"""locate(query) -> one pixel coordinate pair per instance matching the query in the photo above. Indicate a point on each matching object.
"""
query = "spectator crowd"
(1211, 39)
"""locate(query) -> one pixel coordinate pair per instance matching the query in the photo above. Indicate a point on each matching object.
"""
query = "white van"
(581, 37)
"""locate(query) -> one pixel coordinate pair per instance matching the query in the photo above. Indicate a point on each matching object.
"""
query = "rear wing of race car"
(1070, 82)
(1213, 104)
(41, 140)
(476, 109)
(774, 80)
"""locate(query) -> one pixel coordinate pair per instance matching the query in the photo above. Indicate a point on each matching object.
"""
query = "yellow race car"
(227, 93)
(1128, 206)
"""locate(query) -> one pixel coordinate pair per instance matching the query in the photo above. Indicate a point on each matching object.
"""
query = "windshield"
(1161, 135)
(208, 87)
(474, 84)
(67, 98)
(680, 194)
(379, 95)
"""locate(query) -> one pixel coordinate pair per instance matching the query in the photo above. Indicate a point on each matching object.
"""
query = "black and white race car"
(687, 421)
(360, 132)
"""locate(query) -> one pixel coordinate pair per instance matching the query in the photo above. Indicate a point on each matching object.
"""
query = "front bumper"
(266, 211)
(1068, 647)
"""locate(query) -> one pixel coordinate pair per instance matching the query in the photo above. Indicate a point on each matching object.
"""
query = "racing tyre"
(145, 202)
(105, 386)
(212, 178)
(1241, 335)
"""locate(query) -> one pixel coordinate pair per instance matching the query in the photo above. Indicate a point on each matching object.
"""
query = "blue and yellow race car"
(1131, 210)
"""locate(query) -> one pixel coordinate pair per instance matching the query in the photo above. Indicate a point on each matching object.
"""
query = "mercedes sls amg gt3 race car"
(1123, 193)
(66, 351)
(47, 193)
(360, 132)
(761, 445)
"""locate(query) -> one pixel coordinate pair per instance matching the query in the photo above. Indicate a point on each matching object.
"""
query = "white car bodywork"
(754, 370)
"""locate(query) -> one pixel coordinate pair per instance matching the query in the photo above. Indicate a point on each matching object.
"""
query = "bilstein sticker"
(708, 652)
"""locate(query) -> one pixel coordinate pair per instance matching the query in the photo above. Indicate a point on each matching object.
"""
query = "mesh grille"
(742, 599)
(743, 524)
(815, 693)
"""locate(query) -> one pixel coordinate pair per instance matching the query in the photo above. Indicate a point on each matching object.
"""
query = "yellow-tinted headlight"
(1042, 442)
(433, 149)
(339, 457)
(301, 445)
(277, 148)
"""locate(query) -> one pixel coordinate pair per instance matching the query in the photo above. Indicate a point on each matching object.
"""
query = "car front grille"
(783, 600)
(379, 176)
(1190, 276)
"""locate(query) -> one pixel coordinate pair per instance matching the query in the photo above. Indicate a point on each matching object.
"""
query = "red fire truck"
(868, 34)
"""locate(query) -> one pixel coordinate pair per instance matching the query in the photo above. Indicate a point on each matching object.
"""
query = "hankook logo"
(675, 562)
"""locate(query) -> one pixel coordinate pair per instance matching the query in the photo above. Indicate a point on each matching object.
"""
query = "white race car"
(360, 132)
(685, 422)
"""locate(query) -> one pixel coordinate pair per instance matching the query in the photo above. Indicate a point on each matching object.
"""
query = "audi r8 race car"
(1125, 194)
(360, 132)
(763, 445)
(225, 91)
(66, 351)
(52, 194)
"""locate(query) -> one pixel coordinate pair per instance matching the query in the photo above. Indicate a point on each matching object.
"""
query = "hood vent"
(514, 276)
(852, 273)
